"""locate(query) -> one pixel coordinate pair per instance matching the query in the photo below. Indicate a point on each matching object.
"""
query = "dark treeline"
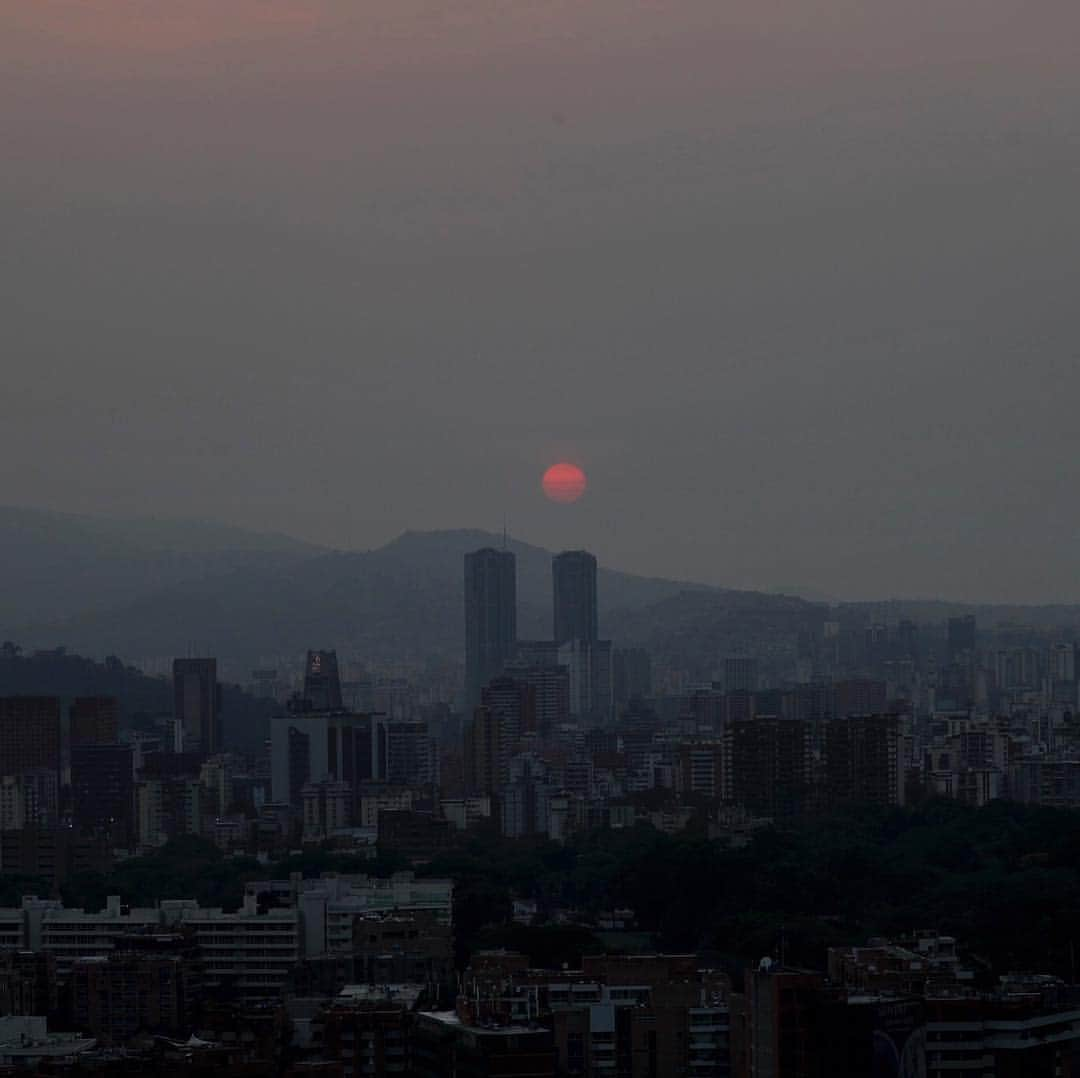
(1005, 880)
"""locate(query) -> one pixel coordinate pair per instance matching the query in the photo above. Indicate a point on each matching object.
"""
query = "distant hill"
(402, 599)
(58, 565)
(252, 599)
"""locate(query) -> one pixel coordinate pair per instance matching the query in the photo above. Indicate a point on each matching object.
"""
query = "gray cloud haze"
(795, 281)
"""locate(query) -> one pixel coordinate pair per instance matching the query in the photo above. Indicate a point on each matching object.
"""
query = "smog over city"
(539, 538)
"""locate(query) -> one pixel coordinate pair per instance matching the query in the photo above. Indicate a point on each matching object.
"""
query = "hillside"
(58, 565)
(253, 599)
(403, 599)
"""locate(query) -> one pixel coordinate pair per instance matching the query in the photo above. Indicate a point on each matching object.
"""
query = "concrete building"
(324, 746)
(573, 578)
(197, 705)
(94, 720)
(490, 618)
(29, 734)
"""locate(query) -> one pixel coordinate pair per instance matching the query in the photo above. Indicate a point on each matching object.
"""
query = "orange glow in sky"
(564, 482)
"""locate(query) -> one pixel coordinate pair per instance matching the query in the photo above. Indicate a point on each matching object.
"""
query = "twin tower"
(491, 639)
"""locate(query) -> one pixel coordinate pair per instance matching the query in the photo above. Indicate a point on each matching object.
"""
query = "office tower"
(103, 791)
(961, 635)
(322, 685)
(589, 664)
(512, 705)
(490, 618)
(197, 704)
(94, 720)
(412, 754)
(29, 734)
(573, 578)
(314, 747)
(550, 684)
(862, 761)
(740, 675)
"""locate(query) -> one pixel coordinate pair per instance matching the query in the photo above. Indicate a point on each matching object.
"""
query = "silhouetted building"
(631, 675)
(573, 576)
(490, 617)
(859, 696)
(862, 760)
(485, 753)
(313, 747)
(370, 1033)
(150, 990)
(94, 720)
(961, 636)
(770, 764)
(322, 683)
(740, 674)
(27, 982)
(197, 705)
(512, 704)
(52, 854)
(29, 734)
(589, 665)
(412, 755)
(550, 685)
(103, 790)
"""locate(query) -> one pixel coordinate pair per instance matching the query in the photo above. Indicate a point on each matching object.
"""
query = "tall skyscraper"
(490, 617)
(573, 577)
(322, 684)
(197, 704)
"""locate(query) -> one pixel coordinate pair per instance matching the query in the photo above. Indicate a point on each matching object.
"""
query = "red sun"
(564, 482)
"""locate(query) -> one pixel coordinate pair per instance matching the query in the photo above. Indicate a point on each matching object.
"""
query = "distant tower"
(196, 704)
(322, 684)
(490, 617)
(573, 575)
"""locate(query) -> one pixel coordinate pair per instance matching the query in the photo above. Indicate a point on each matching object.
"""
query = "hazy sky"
(797, 282)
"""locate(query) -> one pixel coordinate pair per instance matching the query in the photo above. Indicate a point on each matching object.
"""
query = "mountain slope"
(403, 599)
(57, 565)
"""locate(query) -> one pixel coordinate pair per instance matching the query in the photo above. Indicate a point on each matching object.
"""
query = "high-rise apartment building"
(573, 578)
(29, 734)
(862, 760)
(197, 705)
(94, 720)
(103, 791)
(589, 666)
(485, 754)
(770, 765)
(490, 617)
